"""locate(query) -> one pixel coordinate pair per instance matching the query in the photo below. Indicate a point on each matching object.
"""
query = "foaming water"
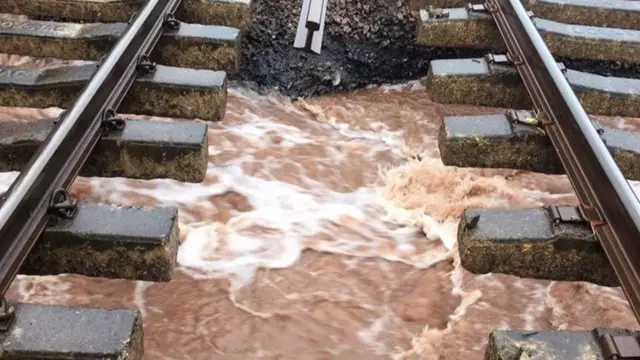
(318, 234)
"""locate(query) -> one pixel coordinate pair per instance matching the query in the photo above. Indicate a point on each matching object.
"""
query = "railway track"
(546, 129)
(139, 60)
(166, 58)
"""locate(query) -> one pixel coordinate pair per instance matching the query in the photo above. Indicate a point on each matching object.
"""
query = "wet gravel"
(343, 65)
(605, 68)
(364, 44)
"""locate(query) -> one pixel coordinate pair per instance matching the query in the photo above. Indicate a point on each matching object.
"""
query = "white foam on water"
(297, 219)
(285, 218)
(413, 85)
(280, 164)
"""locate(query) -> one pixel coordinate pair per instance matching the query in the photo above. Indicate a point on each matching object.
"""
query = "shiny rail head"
(24, 214)
(611, 205)
(590, 134)
(481, 82)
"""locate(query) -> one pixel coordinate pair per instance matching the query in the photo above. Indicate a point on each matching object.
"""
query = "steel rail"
(606, 198)
(24, 211)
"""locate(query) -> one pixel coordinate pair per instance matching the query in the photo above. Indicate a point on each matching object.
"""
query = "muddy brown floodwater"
(317, 234)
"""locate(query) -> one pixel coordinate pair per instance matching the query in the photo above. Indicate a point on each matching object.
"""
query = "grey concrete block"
(470, 29)
(493, 141)
(169, 92)
(194, 46)
(109, 241)
(478, 82)
(234, 13)
(143, 150)
(78, 333)
(530, 243)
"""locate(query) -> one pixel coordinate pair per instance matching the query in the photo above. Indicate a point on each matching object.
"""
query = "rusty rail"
(606, 198)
